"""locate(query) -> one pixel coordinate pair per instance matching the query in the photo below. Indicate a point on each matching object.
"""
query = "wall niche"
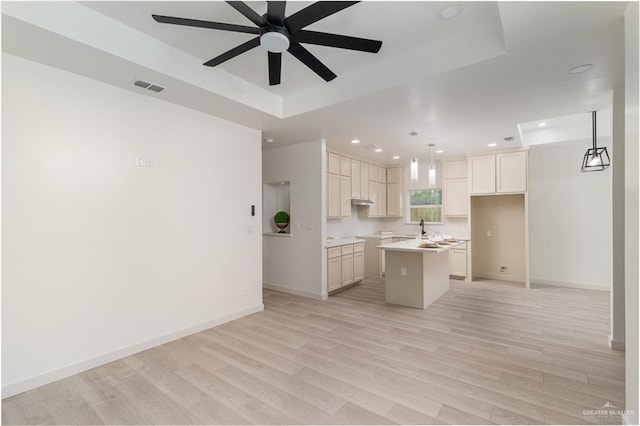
(276, 197)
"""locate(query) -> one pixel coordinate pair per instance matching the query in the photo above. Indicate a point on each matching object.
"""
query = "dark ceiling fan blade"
(275, 12)
(311, 61)
(248, 13)
(275, 67)
(254, 42)
(315, 12)
(336, 40)
(205, 24)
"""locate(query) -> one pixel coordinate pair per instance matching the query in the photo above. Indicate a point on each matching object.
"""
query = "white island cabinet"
(416, 277)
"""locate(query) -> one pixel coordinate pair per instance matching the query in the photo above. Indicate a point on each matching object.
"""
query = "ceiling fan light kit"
(278, 34)
(274, 39)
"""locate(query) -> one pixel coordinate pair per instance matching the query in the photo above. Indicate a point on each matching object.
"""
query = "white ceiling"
(461, 83)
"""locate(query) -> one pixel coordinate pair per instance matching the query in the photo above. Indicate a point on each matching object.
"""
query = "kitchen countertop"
(342, 242)
(383, 236)
(412, 246)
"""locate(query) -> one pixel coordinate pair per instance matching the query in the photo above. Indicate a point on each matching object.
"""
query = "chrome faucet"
(422, 227)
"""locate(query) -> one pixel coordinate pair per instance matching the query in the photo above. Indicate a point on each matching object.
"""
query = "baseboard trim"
(64, 372)
(293, 291)
(586, 286)
(499, 277)
(616, 345)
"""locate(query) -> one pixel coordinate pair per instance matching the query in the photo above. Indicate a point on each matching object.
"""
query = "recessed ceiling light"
(355, 141)
(378, 150)
(269, 140)
(396, 157)
(542, 124)
(581, 68)
(492, 145)
(450, 12)
(440, 151)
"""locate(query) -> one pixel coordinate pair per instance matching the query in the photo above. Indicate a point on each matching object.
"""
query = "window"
(425, 204)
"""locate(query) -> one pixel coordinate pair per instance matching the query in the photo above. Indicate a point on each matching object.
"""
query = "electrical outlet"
(149, 161)
(241, 291)
(504, 269)
(403, 271)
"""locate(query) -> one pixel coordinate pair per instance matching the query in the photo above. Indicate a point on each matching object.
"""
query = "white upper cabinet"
(455, 188)
(394, 191)
(373, 196)
(394, 175)
(333, 195)
(454, 169)
(345, 195)
(382, 199)
(373, 173)
(382, 175)
(455, 194)
(333, 165)
(364, 180)
(500, 173)
(356, 188)
(345, 166)
(512, 172)
(482, 171)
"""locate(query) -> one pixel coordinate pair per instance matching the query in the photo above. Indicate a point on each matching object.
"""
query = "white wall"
(569, 217)
(503, 216)
(616, 337)
(632, 159)
(295, 264)
(102, 258)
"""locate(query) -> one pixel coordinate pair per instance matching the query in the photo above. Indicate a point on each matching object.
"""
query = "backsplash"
(356, 225)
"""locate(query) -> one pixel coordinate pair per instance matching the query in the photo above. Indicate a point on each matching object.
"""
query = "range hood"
(361, 202)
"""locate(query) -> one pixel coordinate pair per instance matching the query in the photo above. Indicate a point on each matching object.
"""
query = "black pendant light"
(595, 159)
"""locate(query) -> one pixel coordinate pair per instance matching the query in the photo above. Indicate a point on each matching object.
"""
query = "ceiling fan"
(277, 34)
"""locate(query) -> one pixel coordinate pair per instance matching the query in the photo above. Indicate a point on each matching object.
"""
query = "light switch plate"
(140, 161)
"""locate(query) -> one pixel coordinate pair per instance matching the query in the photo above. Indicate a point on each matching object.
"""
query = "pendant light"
(432, 168)
(414, 169)
(595, 159)
(414, 161)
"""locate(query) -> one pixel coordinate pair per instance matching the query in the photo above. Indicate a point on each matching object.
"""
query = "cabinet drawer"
(348, 249)
(358, 248)
(334, 252)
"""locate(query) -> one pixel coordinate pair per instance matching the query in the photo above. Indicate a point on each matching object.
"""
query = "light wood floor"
(483, 353)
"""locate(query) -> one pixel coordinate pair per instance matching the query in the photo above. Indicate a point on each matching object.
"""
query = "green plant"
(281, 217)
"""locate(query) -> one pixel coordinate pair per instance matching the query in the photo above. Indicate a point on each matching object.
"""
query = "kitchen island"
(416, 277)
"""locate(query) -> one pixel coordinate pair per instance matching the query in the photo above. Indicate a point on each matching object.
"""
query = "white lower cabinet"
(345, 265)
(334, 273)
(358, 266)
(347, 269)
(458, 261)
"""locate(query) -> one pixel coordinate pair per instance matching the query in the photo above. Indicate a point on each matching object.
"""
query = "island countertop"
(412, 246)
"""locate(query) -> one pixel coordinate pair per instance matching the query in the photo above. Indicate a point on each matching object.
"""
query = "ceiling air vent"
(148, 86)
(142, 84)
(508, 138)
